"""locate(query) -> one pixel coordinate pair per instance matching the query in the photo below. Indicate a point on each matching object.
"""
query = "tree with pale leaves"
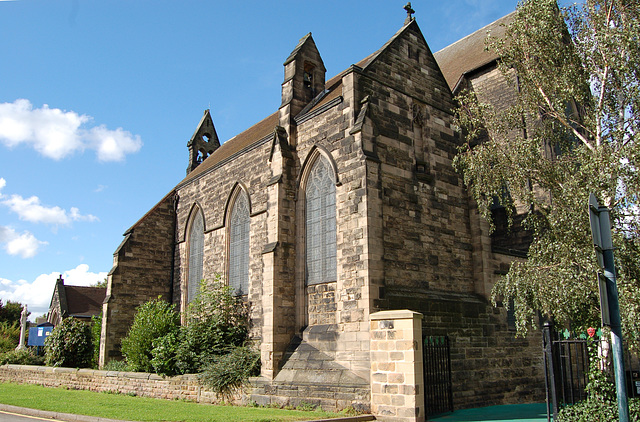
(571, 130)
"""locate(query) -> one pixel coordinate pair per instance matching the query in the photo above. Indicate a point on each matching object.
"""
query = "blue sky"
(99, 98)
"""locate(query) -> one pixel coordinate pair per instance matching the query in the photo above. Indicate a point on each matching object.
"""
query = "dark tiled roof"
(83, 301)
(469, 53)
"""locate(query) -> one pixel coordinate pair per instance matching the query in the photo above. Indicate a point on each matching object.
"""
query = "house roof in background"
(84, 301)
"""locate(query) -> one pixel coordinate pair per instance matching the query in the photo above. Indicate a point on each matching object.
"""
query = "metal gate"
(566, 370)
(437, 375)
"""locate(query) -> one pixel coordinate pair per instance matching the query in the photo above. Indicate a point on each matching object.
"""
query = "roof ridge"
(474, 32)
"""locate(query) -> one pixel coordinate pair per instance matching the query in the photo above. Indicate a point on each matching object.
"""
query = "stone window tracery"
(320, 207)
(239, 245)
(196, 256)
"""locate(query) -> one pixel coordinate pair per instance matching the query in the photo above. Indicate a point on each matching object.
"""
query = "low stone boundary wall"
(183, 387)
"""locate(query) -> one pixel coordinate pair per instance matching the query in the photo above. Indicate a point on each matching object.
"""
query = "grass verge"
(117, 406)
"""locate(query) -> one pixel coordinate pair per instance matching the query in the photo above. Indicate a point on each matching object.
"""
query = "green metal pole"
(614, 309)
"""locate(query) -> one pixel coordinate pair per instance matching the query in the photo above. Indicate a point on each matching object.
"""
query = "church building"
(341, 204)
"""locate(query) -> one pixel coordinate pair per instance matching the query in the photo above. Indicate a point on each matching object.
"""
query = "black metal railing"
(438, 395)
(566, 370)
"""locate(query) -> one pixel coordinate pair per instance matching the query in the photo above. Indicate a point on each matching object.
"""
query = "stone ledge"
(395, 314)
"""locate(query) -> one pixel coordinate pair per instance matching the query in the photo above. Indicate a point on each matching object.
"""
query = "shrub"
(116, 365)
(9, 336)
(152, 320)
(96, 332)
(21, 357)
(164, 353)
(592, 410)
(69, 344)
(216, 320)
(601, 402)
(11, 311)
(225, 374)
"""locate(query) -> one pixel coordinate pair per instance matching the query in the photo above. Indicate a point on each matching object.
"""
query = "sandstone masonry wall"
(141, 272)
(397, 372)
(183, 387)
(210, 194)
(432, 242)
(329, 131)
(489, 365)
(426, 241)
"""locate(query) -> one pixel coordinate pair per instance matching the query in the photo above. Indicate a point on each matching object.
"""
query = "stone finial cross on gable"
(410, 12)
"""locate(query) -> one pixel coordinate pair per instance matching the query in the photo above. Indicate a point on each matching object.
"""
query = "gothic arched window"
(320, 208)
(196, 255)
(239, 245)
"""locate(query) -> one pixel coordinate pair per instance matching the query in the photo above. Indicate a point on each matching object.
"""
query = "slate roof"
(84, 301)
(468, 54)
(76, 301)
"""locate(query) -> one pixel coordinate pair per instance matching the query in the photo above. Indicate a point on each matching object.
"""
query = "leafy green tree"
(11, 311)
(9, 336)
(102, 283)
(571, 130)
(153, 319)
(69, 345)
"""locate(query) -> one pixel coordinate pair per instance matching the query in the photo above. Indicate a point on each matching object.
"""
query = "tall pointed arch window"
(320, 218)
(239, 245)
(196, 255)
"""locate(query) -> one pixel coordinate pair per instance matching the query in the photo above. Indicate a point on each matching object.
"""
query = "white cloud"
(112, 145)
(37, 293)
(30, 209)
(24, 245)
(56, 133)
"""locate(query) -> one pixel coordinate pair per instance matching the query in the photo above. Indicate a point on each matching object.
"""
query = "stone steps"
(309, 374)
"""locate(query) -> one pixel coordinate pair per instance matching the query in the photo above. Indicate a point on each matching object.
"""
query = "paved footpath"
(536, 412)
(6, 412)
(510, 413)
(10, 413)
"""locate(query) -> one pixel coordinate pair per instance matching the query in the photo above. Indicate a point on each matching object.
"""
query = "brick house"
(341, 204)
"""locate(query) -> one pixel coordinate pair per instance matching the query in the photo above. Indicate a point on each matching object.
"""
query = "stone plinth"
(397, 379)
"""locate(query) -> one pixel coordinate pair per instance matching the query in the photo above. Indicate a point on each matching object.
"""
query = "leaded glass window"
(196, 254)
(239, 245)
(320, 209)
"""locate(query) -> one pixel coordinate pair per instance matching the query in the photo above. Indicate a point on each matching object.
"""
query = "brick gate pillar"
(397, 377)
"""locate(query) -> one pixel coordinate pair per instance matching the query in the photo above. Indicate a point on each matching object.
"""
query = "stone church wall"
(211, 193)
(426, 235)
(141, 272)
(351, 307)
(489, 365)
(427, 243)
(408, 237)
